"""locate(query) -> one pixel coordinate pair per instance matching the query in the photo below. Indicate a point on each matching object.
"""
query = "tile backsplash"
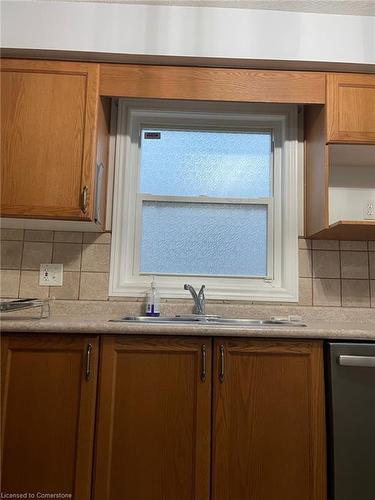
(85, 257)
(331, 273)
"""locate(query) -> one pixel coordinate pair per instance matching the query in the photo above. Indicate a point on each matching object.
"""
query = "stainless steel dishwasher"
(350, 379)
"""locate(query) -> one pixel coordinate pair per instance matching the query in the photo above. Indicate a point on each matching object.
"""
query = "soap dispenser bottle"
(153, 300)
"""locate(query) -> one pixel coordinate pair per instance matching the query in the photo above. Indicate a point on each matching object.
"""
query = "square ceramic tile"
(94, 286)
(353, 245)
(371, 246)
(33, 235)
(9, 283)
(372, 264)
(29, 286)
(354, 265)
(68, 254)
(305, 292)
(11, 254)
(68, 237)
(70, 288)
(96, 258)
(326, 264)
(327, 292)
(36, 253)
(11, 234)
(372, 286)
(325, 244)
(304, 244)
(356, 293)
(305, 263)
(98, 238)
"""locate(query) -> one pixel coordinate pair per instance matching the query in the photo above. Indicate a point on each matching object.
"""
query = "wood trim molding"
(316, 171)
(211, 84)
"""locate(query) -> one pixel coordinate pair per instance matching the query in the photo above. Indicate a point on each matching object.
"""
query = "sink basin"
(209, 320)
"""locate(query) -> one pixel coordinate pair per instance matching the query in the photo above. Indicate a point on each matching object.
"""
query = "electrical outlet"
(51, 275)
(369, 211)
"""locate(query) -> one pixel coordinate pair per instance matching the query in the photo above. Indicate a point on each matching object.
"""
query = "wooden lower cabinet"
(178, 418)
(154, 422)
(48, 414)
(268, 421)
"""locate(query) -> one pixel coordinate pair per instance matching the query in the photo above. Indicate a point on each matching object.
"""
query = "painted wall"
(187, 32)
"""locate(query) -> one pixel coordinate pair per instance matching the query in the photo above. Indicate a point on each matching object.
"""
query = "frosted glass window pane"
(208, 163)
(204, 238)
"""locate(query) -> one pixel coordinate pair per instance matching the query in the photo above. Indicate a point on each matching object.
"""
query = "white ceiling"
(343, 7)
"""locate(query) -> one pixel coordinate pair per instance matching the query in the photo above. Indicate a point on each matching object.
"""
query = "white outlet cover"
(51, 274)
(369, 210)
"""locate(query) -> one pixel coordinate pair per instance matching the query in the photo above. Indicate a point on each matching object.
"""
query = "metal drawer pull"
(84, 199)
(222, 364)
(88, 361)
(203, 368)
(361, 361)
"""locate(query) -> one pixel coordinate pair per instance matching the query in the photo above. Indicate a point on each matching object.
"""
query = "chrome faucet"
(199, 300)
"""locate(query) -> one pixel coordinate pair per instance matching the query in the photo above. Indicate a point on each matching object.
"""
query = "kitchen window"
(207, 194)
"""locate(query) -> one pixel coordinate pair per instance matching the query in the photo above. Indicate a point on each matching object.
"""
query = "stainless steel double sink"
(211, 320)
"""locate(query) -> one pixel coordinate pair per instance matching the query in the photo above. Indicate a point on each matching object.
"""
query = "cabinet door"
(351, 108)
(48, 414)
(153, 439)
(48, 133)
(268, 421)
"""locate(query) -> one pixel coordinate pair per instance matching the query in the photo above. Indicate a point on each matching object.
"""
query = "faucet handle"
(201, 291)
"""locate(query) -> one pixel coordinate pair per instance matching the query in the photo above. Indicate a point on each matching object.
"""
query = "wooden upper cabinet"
(351, 108)
(268, 420)
(48, 414)
(153, 434)
(49, 113)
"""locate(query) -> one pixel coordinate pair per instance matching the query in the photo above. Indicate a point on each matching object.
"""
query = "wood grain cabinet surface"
(48, 414)
(153, 435)
(49, 113)
(268, 421)
(350, 108)
(177, 418)
(346, 121)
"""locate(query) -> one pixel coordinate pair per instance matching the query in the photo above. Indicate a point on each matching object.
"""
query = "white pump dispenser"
(153, 300)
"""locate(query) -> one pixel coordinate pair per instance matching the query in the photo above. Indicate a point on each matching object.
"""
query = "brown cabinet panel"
(153, 439)
(268, 421)
(211, 84)
(48, 132)
(351, 108)
(48, 414)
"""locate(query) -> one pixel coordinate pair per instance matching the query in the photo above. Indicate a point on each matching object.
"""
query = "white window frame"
(282, 282)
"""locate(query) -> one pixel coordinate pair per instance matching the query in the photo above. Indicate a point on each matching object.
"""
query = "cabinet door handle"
(88, 361)
(203, 365)
(84, 199)
(222, 364)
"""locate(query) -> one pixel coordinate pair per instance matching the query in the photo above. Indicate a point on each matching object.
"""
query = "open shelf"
(348, 230)
(340, 184)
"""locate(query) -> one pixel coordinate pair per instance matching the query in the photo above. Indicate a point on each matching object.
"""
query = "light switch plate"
(51, 274)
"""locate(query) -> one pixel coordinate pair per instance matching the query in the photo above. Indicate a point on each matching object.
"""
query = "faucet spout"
(199, 299)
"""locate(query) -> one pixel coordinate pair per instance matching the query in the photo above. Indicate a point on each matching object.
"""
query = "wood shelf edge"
(347, 230)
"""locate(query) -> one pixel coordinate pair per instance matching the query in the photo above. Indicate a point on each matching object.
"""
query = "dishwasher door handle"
(360, 361)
